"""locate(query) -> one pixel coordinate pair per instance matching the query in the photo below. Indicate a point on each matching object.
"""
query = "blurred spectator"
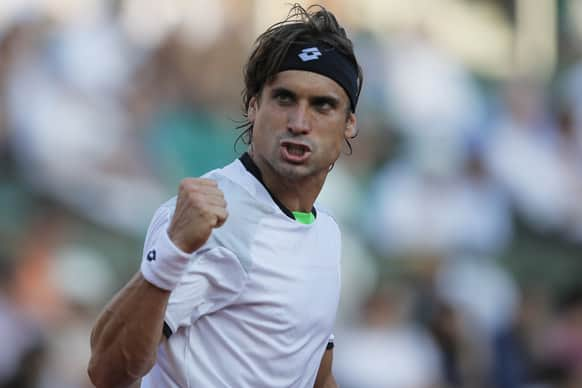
(59, 112)
(563, 349)
(439, 196)
(23, 345)
(521, 154)
(433, 99)
(414, 210)
(386, 350)
(518, 349)
(474, 299)
(462, 361)
(480, 290)
(568, 112)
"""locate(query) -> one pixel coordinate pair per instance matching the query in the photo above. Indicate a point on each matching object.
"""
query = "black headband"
(322, 59)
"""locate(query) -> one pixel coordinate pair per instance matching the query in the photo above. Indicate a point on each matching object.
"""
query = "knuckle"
(183, 185)
(209, 218)
(196, 199)
(187, 181)
(196, 203)
(187, 185)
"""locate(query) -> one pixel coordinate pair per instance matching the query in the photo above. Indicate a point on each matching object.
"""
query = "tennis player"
(240, 277)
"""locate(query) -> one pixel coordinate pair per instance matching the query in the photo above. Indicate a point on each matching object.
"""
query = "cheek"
(338, 146)
(335, 137)
(265, 130)
(269, 121)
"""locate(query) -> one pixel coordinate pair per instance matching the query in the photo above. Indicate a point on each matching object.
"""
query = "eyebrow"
(320, 100)
(279, 90)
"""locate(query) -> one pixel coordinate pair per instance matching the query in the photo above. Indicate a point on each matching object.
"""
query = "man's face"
(299, 124)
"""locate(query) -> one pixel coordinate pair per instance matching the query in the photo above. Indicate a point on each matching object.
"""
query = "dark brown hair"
(314, 24)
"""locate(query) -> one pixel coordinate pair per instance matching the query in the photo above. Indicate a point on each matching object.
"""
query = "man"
(247, 298)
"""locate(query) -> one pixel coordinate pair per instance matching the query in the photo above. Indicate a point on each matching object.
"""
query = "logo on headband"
(309, 54)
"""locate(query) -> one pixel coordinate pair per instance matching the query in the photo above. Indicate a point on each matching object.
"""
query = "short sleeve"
(214, 280)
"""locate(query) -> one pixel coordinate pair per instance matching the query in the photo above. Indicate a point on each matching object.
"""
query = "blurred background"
(460, 208)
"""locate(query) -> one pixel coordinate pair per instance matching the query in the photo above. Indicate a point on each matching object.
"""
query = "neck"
(297, 194)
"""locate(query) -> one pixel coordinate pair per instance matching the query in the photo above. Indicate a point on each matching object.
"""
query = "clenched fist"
(200, 208)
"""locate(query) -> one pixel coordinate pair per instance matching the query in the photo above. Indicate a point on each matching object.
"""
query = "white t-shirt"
(257, 305)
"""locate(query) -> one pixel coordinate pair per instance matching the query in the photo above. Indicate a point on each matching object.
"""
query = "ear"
(252, 110)
(351, 126)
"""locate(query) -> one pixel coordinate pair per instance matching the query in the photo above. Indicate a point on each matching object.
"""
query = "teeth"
(295, 149)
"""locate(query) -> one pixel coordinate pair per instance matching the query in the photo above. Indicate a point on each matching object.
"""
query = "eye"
(324, 104)
(283, 97)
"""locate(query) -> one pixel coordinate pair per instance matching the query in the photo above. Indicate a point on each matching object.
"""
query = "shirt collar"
(251, 167)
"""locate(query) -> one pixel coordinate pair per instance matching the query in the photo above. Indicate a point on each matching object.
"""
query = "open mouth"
(296, 149)
(295, 152)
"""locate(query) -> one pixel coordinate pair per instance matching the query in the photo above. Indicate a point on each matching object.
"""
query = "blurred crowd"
(461, 225)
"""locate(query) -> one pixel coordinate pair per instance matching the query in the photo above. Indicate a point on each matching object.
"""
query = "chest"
(294, 281)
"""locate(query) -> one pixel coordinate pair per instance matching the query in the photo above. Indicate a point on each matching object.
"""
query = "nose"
(298, 121)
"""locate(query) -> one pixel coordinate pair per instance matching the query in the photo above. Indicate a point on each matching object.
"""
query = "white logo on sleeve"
(309, 54)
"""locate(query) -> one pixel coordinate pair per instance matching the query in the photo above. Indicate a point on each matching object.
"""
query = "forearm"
(127, 334)
(328, 383)
(324, 378)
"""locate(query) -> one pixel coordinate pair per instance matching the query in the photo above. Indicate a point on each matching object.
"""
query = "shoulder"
(234, 181)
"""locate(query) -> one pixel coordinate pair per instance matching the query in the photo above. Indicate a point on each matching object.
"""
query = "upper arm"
(126, 334)
(324, 377)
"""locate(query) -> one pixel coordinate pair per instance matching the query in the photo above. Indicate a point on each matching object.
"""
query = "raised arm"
(128, 331)
(325, 377)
